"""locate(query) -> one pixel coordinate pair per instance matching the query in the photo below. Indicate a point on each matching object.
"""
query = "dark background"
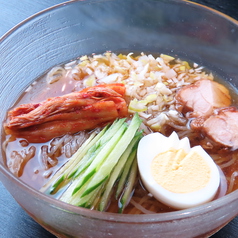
(14, 222)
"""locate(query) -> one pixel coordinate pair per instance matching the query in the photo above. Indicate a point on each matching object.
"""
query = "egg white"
(156, 143)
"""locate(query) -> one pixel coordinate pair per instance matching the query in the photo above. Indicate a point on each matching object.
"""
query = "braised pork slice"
(201, 98)
(222, 127)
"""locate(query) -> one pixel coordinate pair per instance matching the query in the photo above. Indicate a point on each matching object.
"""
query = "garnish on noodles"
(74, 133)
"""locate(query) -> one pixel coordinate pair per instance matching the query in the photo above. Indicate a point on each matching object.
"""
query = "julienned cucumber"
(99, 170)
(100, 158)
(79, 184)
(61, 175)
(94, 169)
(112, 159)
(117, 171)
(127, 193)
(93, 151)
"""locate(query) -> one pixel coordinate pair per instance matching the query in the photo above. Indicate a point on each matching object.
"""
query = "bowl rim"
(69, 2)
(132, 218)
(107, 216)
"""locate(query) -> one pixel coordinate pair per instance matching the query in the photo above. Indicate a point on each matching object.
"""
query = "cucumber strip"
(87, 179)
(128, 191)
(124, 175)
(101, 156)
(77, 200)
(91, 199)
(81, 152)
(60, 175)
(94, 203)
(75, 159)
(112, 158)
(82, 155)
(67, 195)
(95, 197)
(117, 171)
(92, 152)
(104, 201)
(83, 162)
(71, 192)
(92, 188)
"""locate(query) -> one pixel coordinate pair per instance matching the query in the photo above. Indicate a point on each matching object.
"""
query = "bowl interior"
(67, 31)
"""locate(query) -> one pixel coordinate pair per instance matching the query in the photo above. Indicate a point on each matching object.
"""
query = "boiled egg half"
(176, 174)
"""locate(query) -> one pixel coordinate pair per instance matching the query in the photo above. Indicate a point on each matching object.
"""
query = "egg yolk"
(180, 172)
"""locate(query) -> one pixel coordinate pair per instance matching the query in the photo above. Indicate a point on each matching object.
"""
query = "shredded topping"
(151, 82)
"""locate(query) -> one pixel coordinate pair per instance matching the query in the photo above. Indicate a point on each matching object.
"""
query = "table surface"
(14, 222)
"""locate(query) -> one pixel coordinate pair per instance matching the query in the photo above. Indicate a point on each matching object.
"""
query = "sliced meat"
(197, 123)
(222, 127)
(201, 98)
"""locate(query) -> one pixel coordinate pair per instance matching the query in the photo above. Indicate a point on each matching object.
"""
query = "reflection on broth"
(168, 94)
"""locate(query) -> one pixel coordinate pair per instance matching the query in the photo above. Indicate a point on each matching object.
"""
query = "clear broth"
(36, 175)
